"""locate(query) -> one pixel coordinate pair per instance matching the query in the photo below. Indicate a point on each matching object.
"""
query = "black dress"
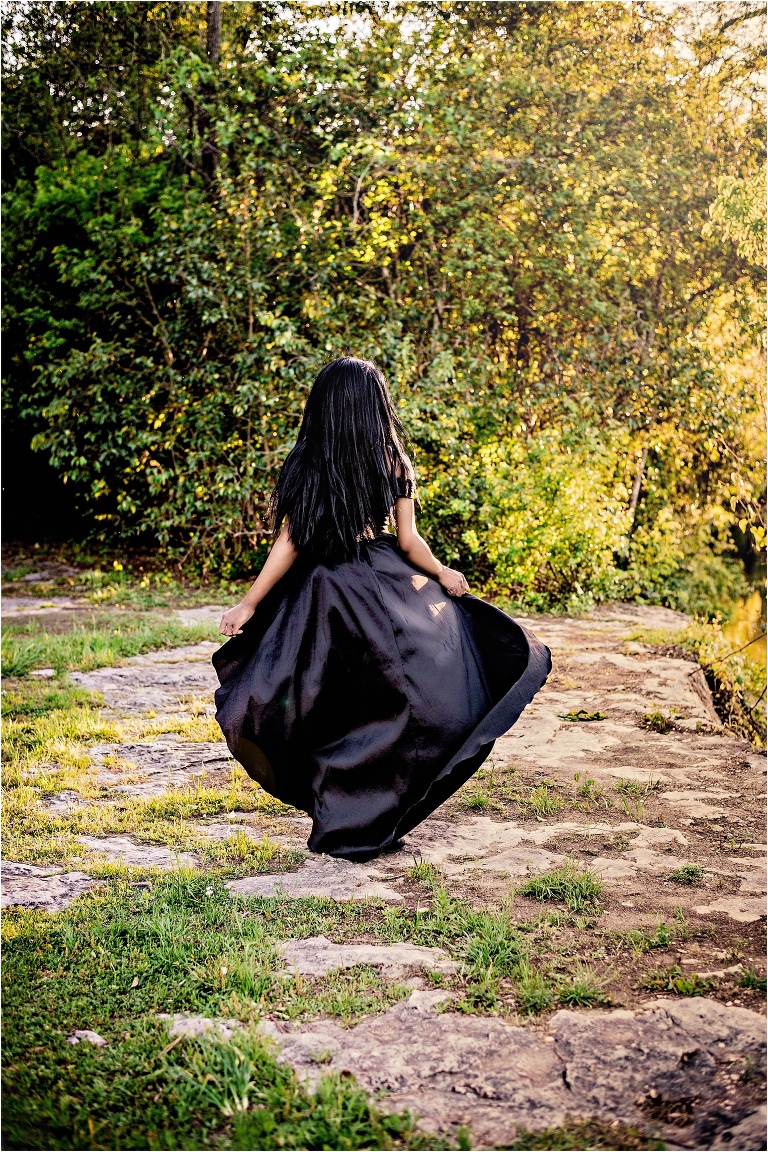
(365, 695)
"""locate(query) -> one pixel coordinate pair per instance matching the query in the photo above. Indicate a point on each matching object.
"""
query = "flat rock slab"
(155, 682)
(746, 909)
(315, 956)
(320, 876)
(516, 849)
(65, 801)
(29, 886)
(122, 849)
(493, 1077)
(164, 764)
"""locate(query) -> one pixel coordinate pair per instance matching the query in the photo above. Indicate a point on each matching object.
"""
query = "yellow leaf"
(135, 982)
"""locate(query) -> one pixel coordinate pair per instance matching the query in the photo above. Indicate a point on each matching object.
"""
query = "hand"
(231, 623)
(453, 582)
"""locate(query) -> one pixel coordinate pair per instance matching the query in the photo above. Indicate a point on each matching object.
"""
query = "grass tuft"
(690, 874)
(578, 888)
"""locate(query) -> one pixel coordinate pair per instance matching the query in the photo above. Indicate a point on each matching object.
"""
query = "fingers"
(228, 630)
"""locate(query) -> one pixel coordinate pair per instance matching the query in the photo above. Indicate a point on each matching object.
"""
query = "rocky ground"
(618, 825)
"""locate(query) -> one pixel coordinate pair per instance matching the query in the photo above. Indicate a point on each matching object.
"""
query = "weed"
(636, 788)
(578, 888)
(586, 1135)
(493, 943)
(634, 808)
(581, 990)
(656, 722)
(690, 874)
(533, 992)
(477, 800)
(246, 854)
(674, 980)
(642, 940)
(753, 980)
(425, 872)
(582, 716)
(543, 801)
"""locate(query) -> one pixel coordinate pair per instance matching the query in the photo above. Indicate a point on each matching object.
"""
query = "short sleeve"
(405, 482)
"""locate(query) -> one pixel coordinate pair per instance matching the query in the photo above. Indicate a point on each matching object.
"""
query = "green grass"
(542, 801)
(97, 643)
(533, 992)
(737, 681)
(636, 789)
(690, 874)
(36, 698)
(111, 964)
(642, 940)
(578, 888)
(586, 1135)
(581, 989)
(425, 873)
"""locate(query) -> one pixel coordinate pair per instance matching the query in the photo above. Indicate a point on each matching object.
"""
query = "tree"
(506, 208)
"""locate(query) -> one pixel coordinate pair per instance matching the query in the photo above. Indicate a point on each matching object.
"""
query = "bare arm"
(280, 559)
(419, 552)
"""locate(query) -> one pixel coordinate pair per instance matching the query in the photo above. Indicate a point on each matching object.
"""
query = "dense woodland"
(543, 220)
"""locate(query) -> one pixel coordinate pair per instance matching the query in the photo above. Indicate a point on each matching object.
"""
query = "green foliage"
(578, 888)
(673, 979)
(656, 722)
(581, 716)
(519, 242)
(740, 211)
(753, 980)
(690, 874)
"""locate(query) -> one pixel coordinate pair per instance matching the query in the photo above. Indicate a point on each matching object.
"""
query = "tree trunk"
(213, 38)
(210, 150)
(636, 488)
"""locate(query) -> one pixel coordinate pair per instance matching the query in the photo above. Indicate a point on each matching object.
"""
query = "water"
(748, 620)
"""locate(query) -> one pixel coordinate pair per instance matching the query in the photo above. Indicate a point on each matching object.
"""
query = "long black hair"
(337, 484)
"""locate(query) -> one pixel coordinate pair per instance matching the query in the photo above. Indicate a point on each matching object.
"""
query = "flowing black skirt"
(365, 695)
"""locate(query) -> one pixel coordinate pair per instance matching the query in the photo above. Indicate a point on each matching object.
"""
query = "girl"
(362, 684)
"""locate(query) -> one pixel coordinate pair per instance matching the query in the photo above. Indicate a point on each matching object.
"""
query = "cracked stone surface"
(155, 682)
(453, 1070)
(315, 956)
(321, 876)
(50, 889)
(154, 767)
(123, 848)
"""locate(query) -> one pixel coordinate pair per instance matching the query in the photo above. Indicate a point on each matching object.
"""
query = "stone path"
(632, 803)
